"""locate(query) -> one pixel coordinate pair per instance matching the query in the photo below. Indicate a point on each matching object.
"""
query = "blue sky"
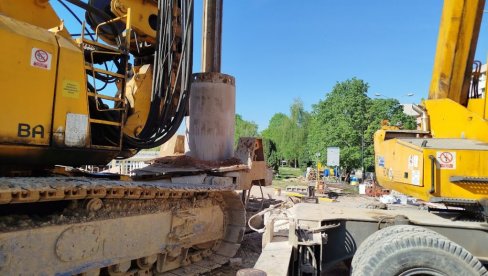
(281, 50)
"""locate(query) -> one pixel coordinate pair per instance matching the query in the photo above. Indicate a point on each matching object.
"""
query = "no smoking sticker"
(447, 160)
(41, 59)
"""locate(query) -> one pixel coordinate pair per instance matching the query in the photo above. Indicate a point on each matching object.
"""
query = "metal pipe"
(432, 174)
(424, 117)
(212, 35)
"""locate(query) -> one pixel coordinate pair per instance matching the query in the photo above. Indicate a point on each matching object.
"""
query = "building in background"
(482, 81)
(126, 166)
(174, 146)
(408, 109)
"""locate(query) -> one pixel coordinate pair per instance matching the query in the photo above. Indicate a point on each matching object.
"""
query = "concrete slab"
(275, 258)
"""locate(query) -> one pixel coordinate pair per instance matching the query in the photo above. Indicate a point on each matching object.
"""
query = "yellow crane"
(73, 116)
(117, 85)
(446, 161)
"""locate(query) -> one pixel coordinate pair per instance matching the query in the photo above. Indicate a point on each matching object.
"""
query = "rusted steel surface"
(186, 221)
(212, 35)
(211, 121)
(183, 162)
(185, 229)
(251, 152)
(29, 189)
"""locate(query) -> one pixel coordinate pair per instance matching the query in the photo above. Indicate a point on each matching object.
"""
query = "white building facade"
(482, 81)
(127, 166)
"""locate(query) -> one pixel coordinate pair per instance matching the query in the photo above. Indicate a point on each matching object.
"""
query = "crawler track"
(79, 225)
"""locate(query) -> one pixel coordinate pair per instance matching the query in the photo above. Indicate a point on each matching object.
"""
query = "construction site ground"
(251, 246)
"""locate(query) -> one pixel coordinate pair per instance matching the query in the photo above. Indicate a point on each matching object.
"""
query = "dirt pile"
(183, 161)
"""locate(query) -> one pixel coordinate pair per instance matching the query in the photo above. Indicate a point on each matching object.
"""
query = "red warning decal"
(446, 159)
(41, 59)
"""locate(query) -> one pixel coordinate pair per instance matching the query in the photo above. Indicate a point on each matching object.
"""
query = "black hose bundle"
(172, 66)
(171, 76)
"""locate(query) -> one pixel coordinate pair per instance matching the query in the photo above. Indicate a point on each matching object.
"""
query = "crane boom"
(446, 159)
(456, 46)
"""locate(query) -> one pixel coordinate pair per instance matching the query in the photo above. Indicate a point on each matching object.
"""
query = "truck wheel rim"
(422, 271)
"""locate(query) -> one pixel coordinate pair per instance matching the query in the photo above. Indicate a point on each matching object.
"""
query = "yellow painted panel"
(138, 93)
(399, 163)
(477, 106)
(35, 12)
(472, 163)
(71, 94)
(449, 119)
(71, 89)
(27, 75)
(391, 167)
(141, 11)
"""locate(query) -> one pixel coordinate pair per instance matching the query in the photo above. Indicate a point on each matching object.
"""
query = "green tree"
(296, 131)
(289, 133)
(244, 128)
(276, 132)
(339, 121)
(347, 118)
(271, 154)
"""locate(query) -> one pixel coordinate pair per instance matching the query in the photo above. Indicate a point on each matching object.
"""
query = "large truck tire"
(417, 253)
(382, 234)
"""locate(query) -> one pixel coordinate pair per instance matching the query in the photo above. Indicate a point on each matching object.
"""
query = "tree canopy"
(289, 133)
(244, 128)
(347, 118)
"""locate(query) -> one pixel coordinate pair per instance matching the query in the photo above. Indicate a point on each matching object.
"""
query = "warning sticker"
(390, 174)
(41, 59)
(381, 161)
(413, 162)
(416, 177)
(71, 89)
(447, 160)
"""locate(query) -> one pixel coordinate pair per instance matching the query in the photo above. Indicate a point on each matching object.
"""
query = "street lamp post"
(362, 157)
(404, 95)
(318, 173)
(362, 141)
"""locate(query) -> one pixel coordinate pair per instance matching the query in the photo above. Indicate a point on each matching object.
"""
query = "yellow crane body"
(51, 91)
(64, 120)
(446, 159)
(458, 174)
(119, 86)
